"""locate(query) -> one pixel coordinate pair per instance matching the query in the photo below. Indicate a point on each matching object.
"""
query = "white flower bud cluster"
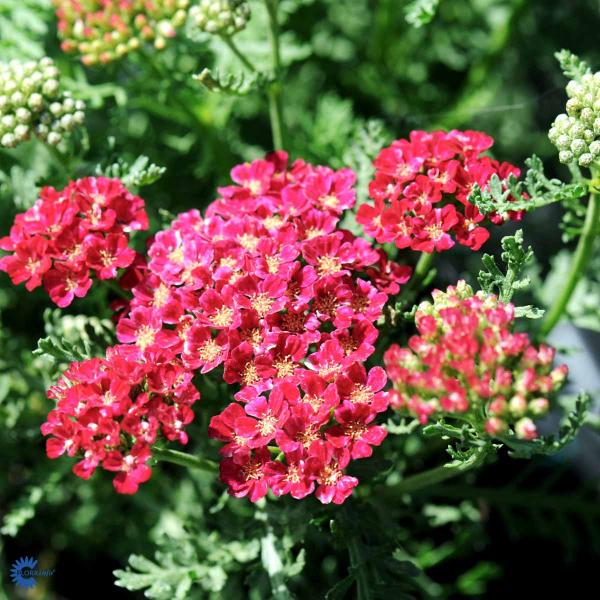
(32, 103)
(577, 133)
(221, 17)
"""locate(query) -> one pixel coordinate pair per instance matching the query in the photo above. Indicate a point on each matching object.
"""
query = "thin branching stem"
(416, 482)
(581, 258)
(184, 459)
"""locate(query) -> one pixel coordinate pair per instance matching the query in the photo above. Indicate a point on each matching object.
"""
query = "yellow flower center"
(328, 265)
(261, 303)
(361, 394)
(248, 241)
(161, 295)
(329, 201)
(145, 336)
(209, 351)
(313, 232)
(284, 367)
(223, 317)
(250, 374)
(176, 255)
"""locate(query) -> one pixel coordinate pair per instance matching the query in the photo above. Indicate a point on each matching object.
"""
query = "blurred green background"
(357, 75)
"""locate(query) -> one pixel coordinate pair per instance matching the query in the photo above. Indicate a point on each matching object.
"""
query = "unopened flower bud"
(50, 87)
(559, 375)
(21, 132)
(54, 138)
(518, 405)
(539, 406)
(497, 406)
(23, 115)
(495, 426)
(525, 429)
(565, 156)
(8, 140)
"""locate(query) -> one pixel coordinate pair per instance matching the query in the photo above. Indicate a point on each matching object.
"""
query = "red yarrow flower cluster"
(110, 411)
(268, 287)
(468, 361)
(421, 191)
(69, 234)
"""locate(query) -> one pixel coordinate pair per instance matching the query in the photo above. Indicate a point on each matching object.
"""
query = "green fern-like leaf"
(571, 65)
(181, 563)
(238, 84)
(535, 191)
(494, 280)
(140, 173)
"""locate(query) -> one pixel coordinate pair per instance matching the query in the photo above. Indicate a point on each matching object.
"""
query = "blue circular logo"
(22, 572)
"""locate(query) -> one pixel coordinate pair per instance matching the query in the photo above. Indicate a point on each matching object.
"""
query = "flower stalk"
(417, 482)
(184, 459)
(274, 91)
(581, 258)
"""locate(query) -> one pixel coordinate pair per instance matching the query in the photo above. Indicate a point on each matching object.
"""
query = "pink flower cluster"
(268, 286)
(109, 411)
(421, 191)
(468, 361)
(67, 234)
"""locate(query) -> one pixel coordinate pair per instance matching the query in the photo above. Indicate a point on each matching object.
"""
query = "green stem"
(421, 271)
(422, 268)
(233, 47)
(358, 568)
(184, 459)
(414, 483)
(581, 258)
(274, 91)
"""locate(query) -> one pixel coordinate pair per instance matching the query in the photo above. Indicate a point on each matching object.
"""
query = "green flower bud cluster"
(32, 103)
(220, 17)
(577, 133)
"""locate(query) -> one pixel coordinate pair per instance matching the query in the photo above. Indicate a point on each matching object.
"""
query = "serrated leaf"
(232, 84)
(61, 350)
(139, 174)
(535, 191)
(493, 280)
(571, 65)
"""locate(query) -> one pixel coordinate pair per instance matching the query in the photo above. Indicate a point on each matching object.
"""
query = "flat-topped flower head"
(421, 191)
(287, 314)
(70, 234)
(468, 360)
(110, 411)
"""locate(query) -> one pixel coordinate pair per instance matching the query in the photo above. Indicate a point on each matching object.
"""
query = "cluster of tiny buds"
(31, 102)
(220, 17)
(468, 360)
(577, 133)
(101, 31)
